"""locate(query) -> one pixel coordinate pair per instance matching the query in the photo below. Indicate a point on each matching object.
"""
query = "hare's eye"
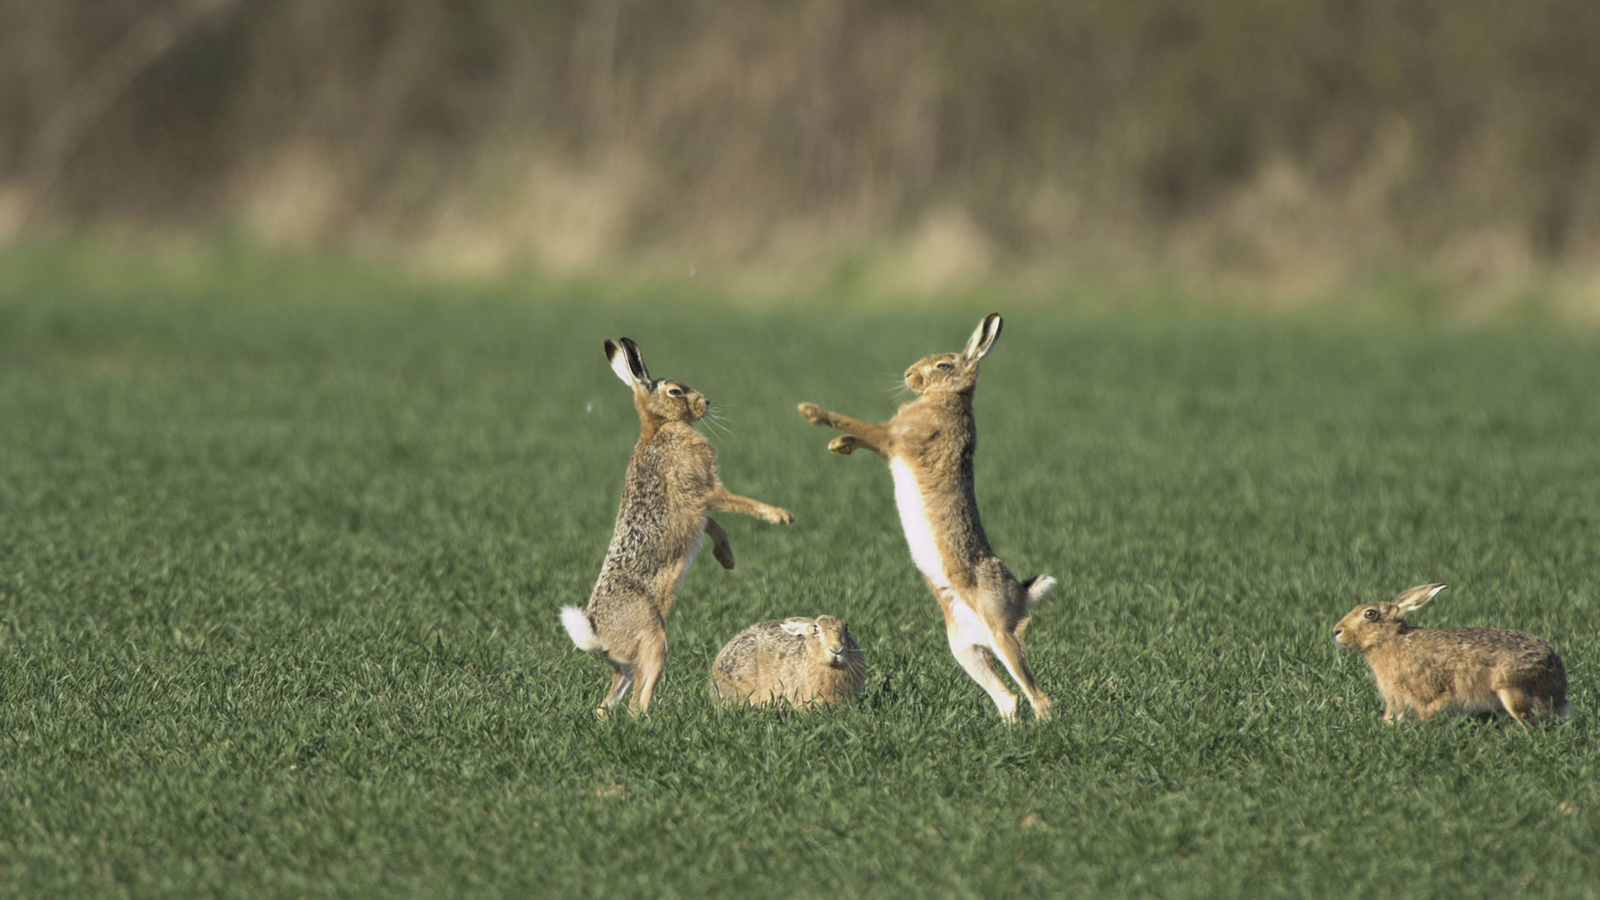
(1371, 615)
(943, 365)
(674, 392)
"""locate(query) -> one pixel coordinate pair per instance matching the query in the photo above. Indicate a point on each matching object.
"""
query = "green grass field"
(283, 547)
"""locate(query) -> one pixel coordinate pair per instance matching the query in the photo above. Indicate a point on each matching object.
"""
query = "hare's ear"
(619, 362)
(1411, 598)
(627, 363)
(983, 339)
(796, 626)
(636, 363)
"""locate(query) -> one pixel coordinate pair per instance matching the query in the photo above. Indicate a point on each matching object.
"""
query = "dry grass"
(1286, 151)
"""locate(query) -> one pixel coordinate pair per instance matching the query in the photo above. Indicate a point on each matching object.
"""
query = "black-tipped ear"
(636, 363)
(1411, 598)
(982, 340)
(619, 362)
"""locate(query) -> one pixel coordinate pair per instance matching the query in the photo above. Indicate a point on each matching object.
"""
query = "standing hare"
(1474, 671)
(671, 484)
(929, 445)
(804, 661)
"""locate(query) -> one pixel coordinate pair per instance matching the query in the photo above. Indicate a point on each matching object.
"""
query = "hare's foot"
(869, 432)
(1008, 649)
(1041, 707)
(846, 444)
(621, 683)
(814, 414)
(723, 501)
(720, 548)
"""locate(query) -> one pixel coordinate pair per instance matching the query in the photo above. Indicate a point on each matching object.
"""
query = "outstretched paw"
(814, 414)
(846, 444)
(777, 516)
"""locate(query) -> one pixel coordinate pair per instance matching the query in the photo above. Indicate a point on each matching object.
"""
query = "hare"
(1475, 671)
(929, 446)
(671, 484)
(804, 661)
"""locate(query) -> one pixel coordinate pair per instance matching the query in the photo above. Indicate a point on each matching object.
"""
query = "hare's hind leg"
(969, 641)
(621, 682)
(974, 658)
(652, 661)
(1008, 647)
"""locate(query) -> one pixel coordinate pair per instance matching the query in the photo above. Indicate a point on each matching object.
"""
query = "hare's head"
(671, 401)
(955, 371)
(1373, 623)
(826, 638)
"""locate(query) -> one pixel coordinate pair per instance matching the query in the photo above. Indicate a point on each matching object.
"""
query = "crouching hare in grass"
(929, 446)
(1475, 671)
(671, 484)
(804, 661)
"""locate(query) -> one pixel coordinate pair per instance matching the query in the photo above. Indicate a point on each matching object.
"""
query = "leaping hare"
(1463, 670)
(929, 446)
(800, 660)
(671, 484)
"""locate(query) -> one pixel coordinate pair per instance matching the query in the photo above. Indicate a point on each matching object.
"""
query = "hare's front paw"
(844, 444)
(814, 414)
(777, 516)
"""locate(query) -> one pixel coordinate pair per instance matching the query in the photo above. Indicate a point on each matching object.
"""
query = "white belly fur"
(914, 519)
(967, 629)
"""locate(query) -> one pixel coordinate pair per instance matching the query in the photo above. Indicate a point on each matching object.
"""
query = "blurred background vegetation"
(1277, 152)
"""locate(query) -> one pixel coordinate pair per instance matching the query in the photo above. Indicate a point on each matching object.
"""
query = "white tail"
(1037, 587)
(580, 629)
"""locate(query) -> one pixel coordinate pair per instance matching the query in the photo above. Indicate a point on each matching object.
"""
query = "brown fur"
(935, 437)
(671, 484)
(1461, 670)
(799, 660)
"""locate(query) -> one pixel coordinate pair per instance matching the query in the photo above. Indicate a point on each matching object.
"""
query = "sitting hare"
(929, 446)
(1461, 670)
(803, 661)
(671, 484)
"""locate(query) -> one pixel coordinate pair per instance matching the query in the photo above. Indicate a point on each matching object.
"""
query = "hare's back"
(1497, 648)
(758, 650)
